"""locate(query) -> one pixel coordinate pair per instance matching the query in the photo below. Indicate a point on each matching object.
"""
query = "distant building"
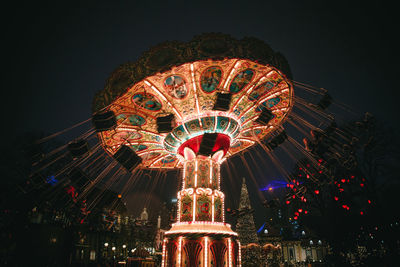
(281, 241)
(286, 242)
(144, 216)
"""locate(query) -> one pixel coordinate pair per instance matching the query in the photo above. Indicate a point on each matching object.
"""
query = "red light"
(362, 185)
(287, 185)
(352, 177)
(293, 196)
(369, 201)
(343, 180)
(336, 198)
(320, 172)
(305, 199)
(300, 210)
(306, 211)
(316, 192)
(287, 202)
(341, 189)
(361, 213)
(308, 176)
(338, 185)
(320, 160)
(296, 213)
(295, 217)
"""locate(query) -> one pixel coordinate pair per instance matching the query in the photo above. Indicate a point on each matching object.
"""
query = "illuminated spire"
(245, 226)
(244, 197)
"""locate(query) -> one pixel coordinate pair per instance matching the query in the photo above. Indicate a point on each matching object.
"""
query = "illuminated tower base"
(200, 237)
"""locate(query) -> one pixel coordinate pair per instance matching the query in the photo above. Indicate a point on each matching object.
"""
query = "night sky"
(57, 56)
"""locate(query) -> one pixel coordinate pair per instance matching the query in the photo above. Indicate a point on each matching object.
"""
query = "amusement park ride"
(191, 106)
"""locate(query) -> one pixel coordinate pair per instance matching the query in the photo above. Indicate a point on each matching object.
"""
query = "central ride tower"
(200, 237)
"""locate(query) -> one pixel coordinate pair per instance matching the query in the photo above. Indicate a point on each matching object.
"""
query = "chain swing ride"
(191, 106)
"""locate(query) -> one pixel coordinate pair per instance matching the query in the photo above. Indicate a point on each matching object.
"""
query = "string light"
(163, 263)
(229, 253)
(201, 227)
(194, 207)
(205, 251)
(240, 254)
(180, 250)
(184, 175)
(212, 208)
(230, 74)
(210, 181)
(195, 173)
(195, 95)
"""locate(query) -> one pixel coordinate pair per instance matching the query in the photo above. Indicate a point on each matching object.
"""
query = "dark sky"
(58, 55)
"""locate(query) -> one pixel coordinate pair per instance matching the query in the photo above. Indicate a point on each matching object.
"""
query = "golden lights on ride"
(189, 92)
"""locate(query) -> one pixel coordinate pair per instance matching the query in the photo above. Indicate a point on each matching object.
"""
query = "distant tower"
(159, 222)
(246, 229)
(144, 216)
(159, 235)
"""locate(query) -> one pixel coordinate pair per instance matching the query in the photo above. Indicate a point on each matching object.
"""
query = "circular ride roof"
(188, 91)
(183, 78)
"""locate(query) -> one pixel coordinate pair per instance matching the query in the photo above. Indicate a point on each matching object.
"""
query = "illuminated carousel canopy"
(189, 105)
(177, 93)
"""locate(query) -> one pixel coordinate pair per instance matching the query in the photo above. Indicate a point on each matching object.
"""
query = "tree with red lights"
(337, 191)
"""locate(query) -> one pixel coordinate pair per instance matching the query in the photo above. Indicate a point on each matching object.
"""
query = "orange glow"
(185, 98)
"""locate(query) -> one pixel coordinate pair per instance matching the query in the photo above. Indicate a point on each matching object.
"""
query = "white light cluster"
(201, 223)
(194, 231)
